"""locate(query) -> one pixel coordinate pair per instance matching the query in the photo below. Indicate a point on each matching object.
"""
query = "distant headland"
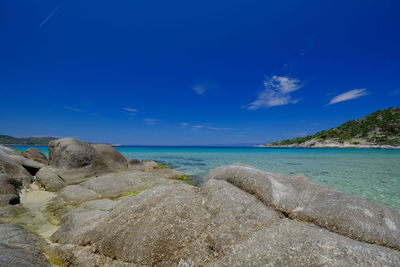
(31, 141)
(380, 129)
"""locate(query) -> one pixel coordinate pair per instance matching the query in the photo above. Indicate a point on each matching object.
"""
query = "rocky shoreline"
(332, 144)
(90, 206)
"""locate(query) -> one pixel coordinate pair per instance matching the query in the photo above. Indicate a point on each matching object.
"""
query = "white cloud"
(276, 92)
(352, 94)
(201, 126)
(72, 108)
(218, 129)
(130, 109)
(283, 84)
(199, 89)
(198, 126)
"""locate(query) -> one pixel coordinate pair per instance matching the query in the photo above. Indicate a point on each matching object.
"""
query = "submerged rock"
(35, 154)
(134, 162)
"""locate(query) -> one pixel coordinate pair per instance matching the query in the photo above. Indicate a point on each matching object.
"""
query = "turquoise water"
(373, 174)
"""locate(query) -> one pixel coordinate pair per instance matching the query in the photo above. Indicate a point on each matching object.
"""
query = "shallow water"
(373, 174)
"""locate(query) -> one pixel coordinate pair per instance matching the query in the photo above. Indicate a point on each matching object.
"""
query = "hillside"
(379, 129)
(10, 140)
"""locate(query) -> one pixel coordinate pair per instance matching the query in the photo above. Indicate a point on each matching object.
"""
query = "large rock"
(9, 190)
(114, 160)
(81, 219)
(35, 154)
(155, 224)
(115, 184)
(30, 165)
(241, 216)
(8, 212)
(9, 185)
(65, 200)
(291, 243)
(49, 179)
(218, 225)
(68, 153)
(302, 199)
(75, 160)
(20, 248)
(107, 186)
(14, 169)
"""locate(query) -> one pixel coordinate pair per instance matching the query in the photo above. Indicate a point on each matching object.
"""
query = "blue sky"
(194, 72)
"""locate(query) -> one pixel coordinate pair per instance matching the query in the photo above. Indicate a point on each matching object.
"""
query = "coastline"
(332, 146)
(333, 143)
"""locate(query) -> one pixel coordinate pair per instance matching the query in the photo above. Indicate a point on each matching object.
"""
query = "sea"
(373, 174)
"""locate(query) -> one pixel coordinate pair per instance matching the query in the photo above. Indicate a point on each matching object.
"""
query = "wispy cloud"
(277, 92)
(151, 121)
(72, 108)
(219, 128)
(49, 16)
(352, 94)
(199, 89)
(201, 126)
(130, 109)
(197, 126)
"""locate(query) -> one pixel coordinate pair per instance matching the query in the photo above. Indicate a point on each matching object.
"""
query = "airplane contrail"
(49, 16)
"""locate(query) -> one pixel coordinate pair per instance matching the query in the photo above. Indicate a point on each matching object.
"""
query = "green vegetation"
(130, 193)
(10, 140)
(160, 166)
(183, 178)
(186, 179)
(54, 259)
(381, 128)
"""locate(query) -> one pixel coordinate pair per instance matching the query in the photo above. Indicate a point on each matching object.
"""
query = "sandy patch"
(30, 215)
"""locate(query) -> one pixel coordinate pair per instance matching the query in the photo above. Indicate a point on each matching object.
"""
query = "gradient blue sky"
(194, 72)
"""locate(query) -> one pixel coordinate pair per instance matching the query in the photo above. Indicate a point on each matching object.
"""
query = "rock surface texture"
(35, 154)
(241, 216)
(13, 176)
(20, 248)
(75, 160)
(111, 213)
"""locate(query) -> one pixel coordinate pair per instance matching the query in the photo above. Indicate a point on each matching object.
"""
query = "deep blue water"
(373, 174)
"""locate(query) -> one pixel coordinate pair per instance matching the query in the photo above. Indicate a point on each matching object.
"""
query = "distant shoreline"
(47, 145)
(257, 146)
(334, 146)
